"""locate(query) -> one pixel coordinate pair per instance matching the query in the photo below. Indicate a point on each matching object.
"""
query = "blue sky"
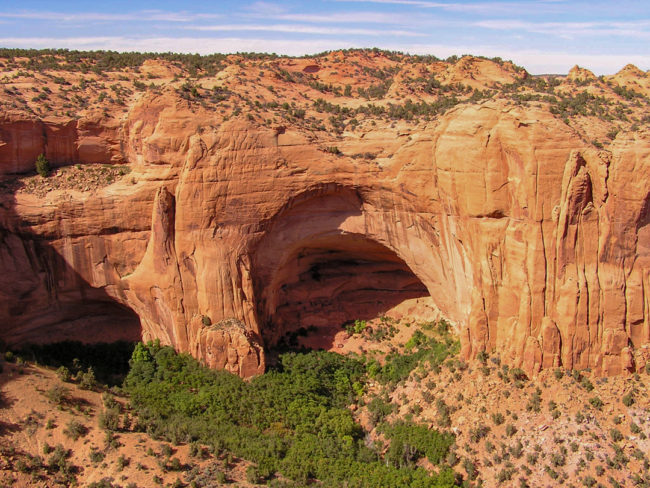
(545, 36)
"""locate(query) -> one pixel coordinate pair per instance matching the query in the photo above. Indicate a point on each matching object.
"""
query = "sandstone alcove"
(59, 304)
(94, 321)
(318, 267)
(86, 319)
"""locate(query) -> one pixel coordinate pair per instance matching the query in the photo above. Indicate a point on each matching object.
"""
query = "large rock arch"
(534, 244)
(334, 253)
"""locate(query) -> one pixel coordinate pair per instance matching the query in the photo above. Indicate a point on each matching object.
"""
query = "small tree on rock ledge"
(42, 166)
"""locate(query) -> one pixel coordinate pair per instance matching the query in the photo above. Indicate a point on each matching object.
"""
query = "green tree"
(42, 166)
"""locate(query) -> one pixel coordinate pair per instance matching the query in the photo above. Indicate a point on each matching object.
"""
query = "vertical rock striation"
(531, 243)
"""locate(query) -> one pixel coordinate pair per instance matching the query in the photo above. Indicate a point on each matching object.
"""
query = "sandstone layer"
(227, 234)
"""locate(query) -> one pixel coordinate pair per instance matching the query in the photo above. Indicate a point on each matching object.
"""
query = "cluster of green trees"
(292, 420)
(100, 61)
(420, 349)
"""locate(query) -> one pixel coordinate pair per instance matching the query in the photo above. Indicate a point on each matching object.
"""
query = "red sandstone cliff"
(226, 232)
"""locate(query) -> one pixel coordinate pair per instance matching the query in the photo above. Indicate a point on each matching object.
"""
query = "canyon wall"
(535, 245)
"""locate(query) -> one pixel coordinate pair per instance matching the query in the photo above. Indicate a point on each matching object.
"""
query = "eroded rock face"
(531, 243)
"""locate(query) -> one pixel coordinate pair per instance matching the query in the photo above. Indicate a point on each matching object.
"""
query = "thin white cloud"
(143, 16)
(266, 8)
(533, 60)
(303, 29)
(348, 18)
(485, 7)
(637, 29)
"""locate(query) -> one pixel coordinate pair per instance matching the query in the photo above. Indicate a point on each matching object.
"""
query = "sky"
(544, 36)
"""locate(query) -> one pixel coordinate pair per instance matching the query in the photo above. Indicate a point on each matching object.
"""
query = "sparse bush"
(588, 481)
(616, 435)
(628, 399)
(87, 380)
(123, 462)
(58, 394)
(518, 374)
(42, 166)
(64, 374)
(558, 460)
(470, 469)
(175, 464)
(596, 402)
(586, 384)
(534, 403)
(58, 460)
(167, 450)
(109, 419)
(498, 418)
(252, 475)
(75, 429)
(47, 448)
(478, 433)
(96, 456)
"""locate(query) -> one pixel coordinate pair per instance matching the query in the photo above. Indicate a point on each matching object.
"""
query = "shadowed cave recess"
(337, 280)
(85, 320)
(317, 270)
(57, 304)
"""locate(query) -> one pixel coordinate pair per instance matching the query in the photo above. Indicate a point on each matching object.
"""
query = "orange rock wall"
(534, 245)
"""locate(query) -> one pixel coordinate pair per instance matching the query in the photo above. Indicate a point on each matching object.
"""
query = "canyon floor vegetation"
(410, 415)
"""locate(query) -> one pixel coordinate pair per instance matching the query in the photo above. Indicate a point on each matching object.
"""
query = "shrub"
(42, 166)
(410, 441)
(478, 433)
(628, 399)
(518, 374)
(558, 460)
(75, 429)
(122, 462)
(96, 456)
(482, 356)
(87, 380)
(64, 374)
(596, 402)
(109, 419)
(498, 418)
(58, 460)
(58, 394)
(252, 475)
(379, 408)
(588, 481)
(616, 435)
(175, 464)
(103, 483)
(586, 384)
(470, 469)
